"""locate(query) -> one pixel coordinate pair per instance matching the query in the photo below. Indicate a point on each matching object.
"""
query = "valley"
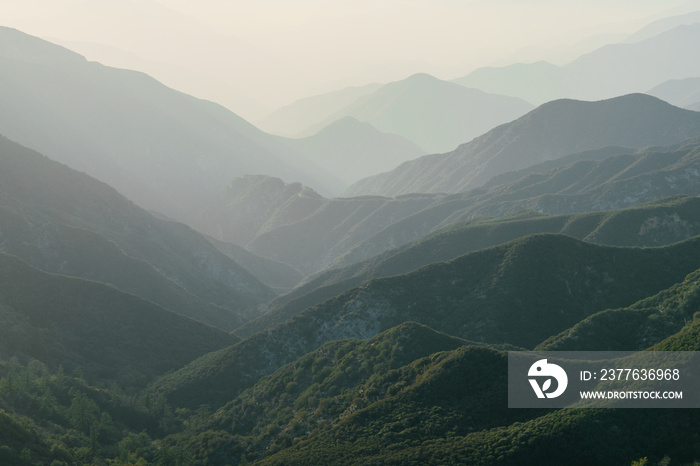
(342, 283)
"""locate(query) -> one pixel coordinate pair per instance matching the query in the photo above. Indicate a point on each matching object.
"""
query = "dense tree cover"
(407, 395)
(50, 417)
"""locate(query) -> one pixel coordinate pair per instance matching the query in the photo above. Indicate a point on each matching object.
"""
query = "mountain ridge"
(551, 131)
(64, 221)
(167, 151)
(611, 70)
(436, 115)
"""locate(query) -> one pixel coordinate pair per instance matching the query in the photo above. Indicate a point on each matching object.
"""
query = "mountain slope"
(593, 180)
(521, 293)
(63, 221)
(609, 71)
(278, 276)
(353, 150)
(683, 93)
(165, 150)
(635, 327)
(319, 389)
(551, 131)
(435, 115)
(654, 224)
(265, 215)
(291, 120)
(108, 334)
(432, 421)
(293, 224)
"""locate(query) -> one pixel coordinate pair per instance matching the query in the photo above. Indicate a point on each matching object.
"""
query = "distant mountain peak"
(552, 130)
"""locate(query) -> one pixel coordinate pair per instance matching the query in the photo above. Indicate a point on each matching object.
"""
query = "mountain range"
(293, 327)
(165, 150)
(551, 131)
(519, 293)
(435, 409)
(604, 179)
(609, 71)
(436, 115)
(293, 224)
(105, 333)
(683, 93)
(62, 221)
(353, 150)
(296, 118)
(654, 224)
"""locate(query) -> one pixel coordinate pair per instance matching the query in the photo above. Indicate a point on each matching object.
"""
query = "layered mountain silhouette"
(328, 384)
(592, 180)
(129, 338)
(434, 114)
(296, 118)
(551, 131)
(278, 276)
(353, 150)
(293, 224)
(66, 222)
(163, 149)
(683, 93)
(106, 333)
(654, 224)
(521, 293)
(268, 216)
(609, 71)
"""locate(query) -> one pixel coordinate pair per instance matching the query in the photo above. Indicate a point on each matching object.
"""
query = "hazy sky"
(258, 55)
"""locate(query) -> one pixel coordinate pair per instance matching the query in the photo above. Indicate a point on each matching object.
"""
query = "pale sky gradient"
(254, 56)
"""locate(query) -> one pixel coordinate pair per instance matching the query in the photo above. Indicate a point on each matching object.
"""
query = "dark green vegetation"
(49, 417)
(656, 223)
(104, 333)
(399, 357)
(384, 373)
(519, 293)
(434, 419)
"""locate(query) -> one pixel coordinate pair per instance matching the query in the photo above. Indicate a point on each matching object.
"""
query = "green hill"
(520, 293)
(589, 182)
(635, 327)
(105, 333)
(456, 411)
(653, 224)
(317, 390)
